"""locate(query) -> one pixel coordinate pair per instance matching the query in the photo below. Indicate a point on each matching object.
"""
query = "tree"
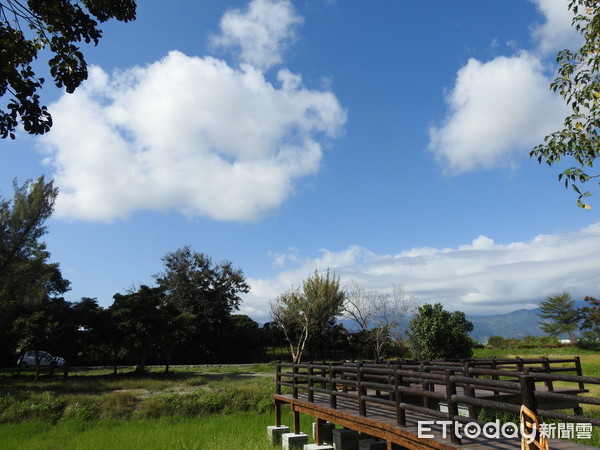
(326, 299)
(243, 340)
(22, 222)
(590, 315)
(57, 28)
(27, 279)
(379, 316)
(308, 314)
(559, 310)
(438, 334)
(590, 323)
(209, 292)
(578, 83)
(138, 319)
(90, 336)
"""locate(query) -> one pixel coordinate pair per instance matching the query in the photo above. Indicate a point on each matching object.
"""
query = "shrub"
(116, 405)
(40, 406)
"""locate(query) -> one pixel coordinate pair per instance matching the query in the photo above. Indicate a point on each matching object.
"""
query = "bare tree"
(379, 316)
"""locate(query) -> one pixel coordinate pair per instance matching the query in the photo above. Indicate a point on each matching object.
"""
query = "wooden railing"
(404, 386)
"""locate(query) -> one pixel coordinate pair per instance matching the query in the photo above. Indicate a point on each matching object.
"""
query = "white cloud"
(261, 33)
(557, 32)
(191, 134)
(478, 278)
(498, 110)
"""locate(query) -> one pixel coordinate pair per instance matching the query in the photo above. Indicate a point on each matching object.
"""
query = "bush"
(116, 405)
(589, 340)
(527, 342)
(41, 406)
(435, 333)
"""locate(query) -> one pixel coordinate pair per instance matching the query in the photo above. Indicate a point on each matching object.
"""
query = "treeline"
(190, 315)
(560, 316)
(526, 342)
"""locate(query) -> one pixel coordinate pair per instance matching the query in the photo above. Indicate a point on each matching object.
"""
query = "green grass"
(235, 431)
(189, 408)
(590, 366)
(192, 407)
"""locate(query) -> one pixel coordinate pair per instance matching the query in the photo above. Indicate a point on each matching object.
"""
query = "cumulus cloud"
(480, 277)
(499, 109)
(261, 33)
(557, 32)
(190, 134)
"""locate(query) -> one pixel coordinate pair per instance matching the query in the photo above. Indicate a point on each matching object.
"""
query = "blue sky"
(388, 143)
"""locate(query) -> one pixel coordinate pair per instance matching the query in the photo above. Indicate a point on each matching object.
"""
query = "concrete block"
(276, 432)
(291, 441)
(328, 427)
(318, 447)
(344, 439)
(463, 410)
(371, 444)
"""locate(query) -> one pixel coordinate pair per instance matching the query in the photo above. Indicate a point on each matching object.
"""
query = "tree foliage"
(55, 28)
(22, 222)
(590, 323)
(578, 82)
(205, 292)
(559, 314)
(308, 315)
(139, 320)
(435, 333)
(28, 282)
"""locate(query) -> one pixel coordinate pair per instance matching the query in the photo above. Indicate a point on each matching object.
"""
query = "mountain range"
(515, 324)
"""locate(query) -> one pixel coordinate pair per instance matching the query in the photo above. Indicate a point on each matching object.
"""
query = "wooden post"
(452, 405)
(309, 382)
(579, 372)
(470, 391)
(400, 412)
(319, 431)
(390, 380)
(294, 380)
(278, 378)
(547, 369)
(528, 391)
(332, 387)
(362, 405)
(425, 385)
(520, 363)
(277, 413)
(296, 415)
(495, 377)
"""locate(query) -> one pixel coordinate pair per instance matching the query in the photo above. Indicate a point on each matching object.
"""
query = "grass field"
(189, 408)
(232, 431)
(590, 366)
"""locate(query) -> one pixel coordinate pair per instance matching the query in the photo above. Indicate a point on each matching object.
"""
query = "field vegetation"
(192, 407)
(202, 407)
(590, 366)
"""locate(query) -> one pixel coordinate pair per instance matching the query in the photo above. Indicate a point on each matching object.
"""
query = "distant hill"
(515, 324)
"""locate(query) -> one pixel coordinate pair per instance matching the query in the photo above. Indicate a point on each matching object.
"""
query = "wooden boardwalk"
(434, 405)
(381, 422)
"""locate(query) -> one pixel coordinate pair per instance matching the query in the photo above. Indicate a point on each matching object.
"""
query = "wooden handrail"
(392, 384)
